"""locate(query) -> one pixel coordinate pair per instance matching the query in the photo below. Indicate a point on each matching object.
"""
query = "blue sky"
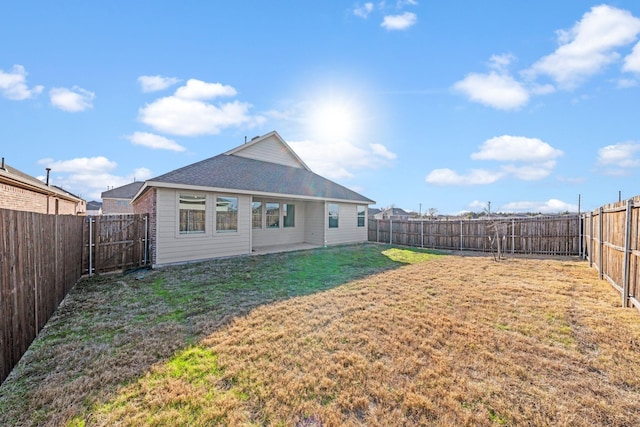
(417, 104)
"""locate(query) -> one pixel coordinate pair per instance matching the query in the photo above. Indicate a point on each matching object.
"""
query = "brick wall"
(146, 204)
(21, 199)
(116, 206)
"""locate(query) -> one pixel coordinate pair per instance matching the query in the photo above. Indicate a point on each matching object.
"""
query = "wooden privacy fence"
(612, 244)
(43, 256)
(115, 242)
(39, 264)
(548, 235)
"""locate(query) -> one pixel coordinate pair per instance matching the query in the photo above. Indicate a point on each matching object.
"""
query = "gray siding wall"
(175, 247)
(314, 232)
(348, 230)
(270, 150)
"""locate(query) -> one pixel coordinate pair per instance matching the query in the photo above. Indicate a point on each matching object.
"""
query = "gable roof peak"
(248, 146)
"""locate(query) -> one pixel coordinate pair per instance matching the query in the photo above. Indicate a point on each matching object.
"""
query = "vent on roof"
(2, 167)
(48, 171)
(255, 137)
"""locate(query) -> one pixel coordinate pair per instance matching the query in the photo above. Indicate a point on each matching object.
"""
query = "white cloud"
(477, 204)
(72, 100)
(382, 151)
(474, 177)
(186, 113)
(13, 84)
(516, 148)
(589, 46)
(548, 207)
(501, 63)
(532, 172)
(530, 159)
(178, 116)
(338, 160)
(627, 83)
(494, 90)
(199, 90)
(89, 177)
(632, 61)
(154, 141)
(402, 3)
(619, 159)
(80, 164)
(399, 22)
(364, 10)
(156, 83)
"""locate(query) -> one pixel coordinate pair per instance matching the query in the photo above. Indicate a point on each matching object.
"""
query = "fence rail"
(549, 235)
(39, 264)
(612, 245)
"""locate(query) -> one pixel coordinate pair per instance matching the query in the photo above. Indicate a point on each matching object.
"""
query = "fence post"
(590, 239)
(513, 236)
(421, 233)
(390, 231)
(377, 231)
(627, 252)
(580, 251)
(601, 241)
(461, 235)
(90, 220)
(146, 238)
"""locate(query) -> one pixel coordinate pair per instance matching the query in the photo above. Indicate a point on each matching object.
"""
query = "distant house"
(256, 197)
(393, 214)
(22, 192)
(118, 200)
(94, 208)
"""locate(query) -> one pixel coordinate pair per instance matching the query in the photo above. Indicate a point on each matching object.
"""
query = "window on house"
(333, 215)
(361, 215)
(256, 214)
(226, 213)
(273, 215)
(192, 213)
(288, 215)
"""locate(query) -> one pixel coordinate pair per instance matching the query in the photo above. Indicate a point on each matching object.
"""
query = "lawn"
(353, 335)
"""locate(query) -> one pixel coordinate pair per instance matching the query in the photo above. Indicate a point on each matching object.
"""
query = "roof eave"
(177, 186)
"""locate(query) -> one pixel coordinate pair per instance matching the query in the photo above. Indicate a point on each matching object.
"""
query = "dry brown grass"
(452, 341)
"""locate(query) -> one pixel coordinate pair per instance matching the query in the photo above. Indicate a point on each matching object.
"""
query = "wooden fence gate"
(115, 242)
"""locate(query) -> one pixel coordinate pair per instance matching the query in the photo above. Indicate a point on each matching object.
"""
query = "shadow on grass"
(112, 329)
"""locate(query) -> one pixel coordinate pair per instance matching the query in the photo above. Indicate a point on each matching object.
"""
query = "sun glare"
(333, 120)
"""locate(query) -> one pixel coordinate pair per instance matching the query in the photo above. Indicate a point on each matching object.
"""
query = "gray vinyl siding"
(174, 247)
(314, 232)
(348, 230)
(270, 150)
(282, 235)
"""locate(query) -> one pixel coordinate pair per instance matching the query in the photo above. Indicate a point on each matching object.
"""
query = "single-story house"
(256, 197)
(22, 192)
(118, 200)
(94, 208)
(394, 214)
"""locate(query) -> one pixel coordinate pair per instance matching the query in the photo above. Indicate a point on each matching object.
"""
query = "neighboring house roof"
(236, 173)
(395, 212)
(94, 205)
(124, 192)
(373, 211)
(13, 176)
